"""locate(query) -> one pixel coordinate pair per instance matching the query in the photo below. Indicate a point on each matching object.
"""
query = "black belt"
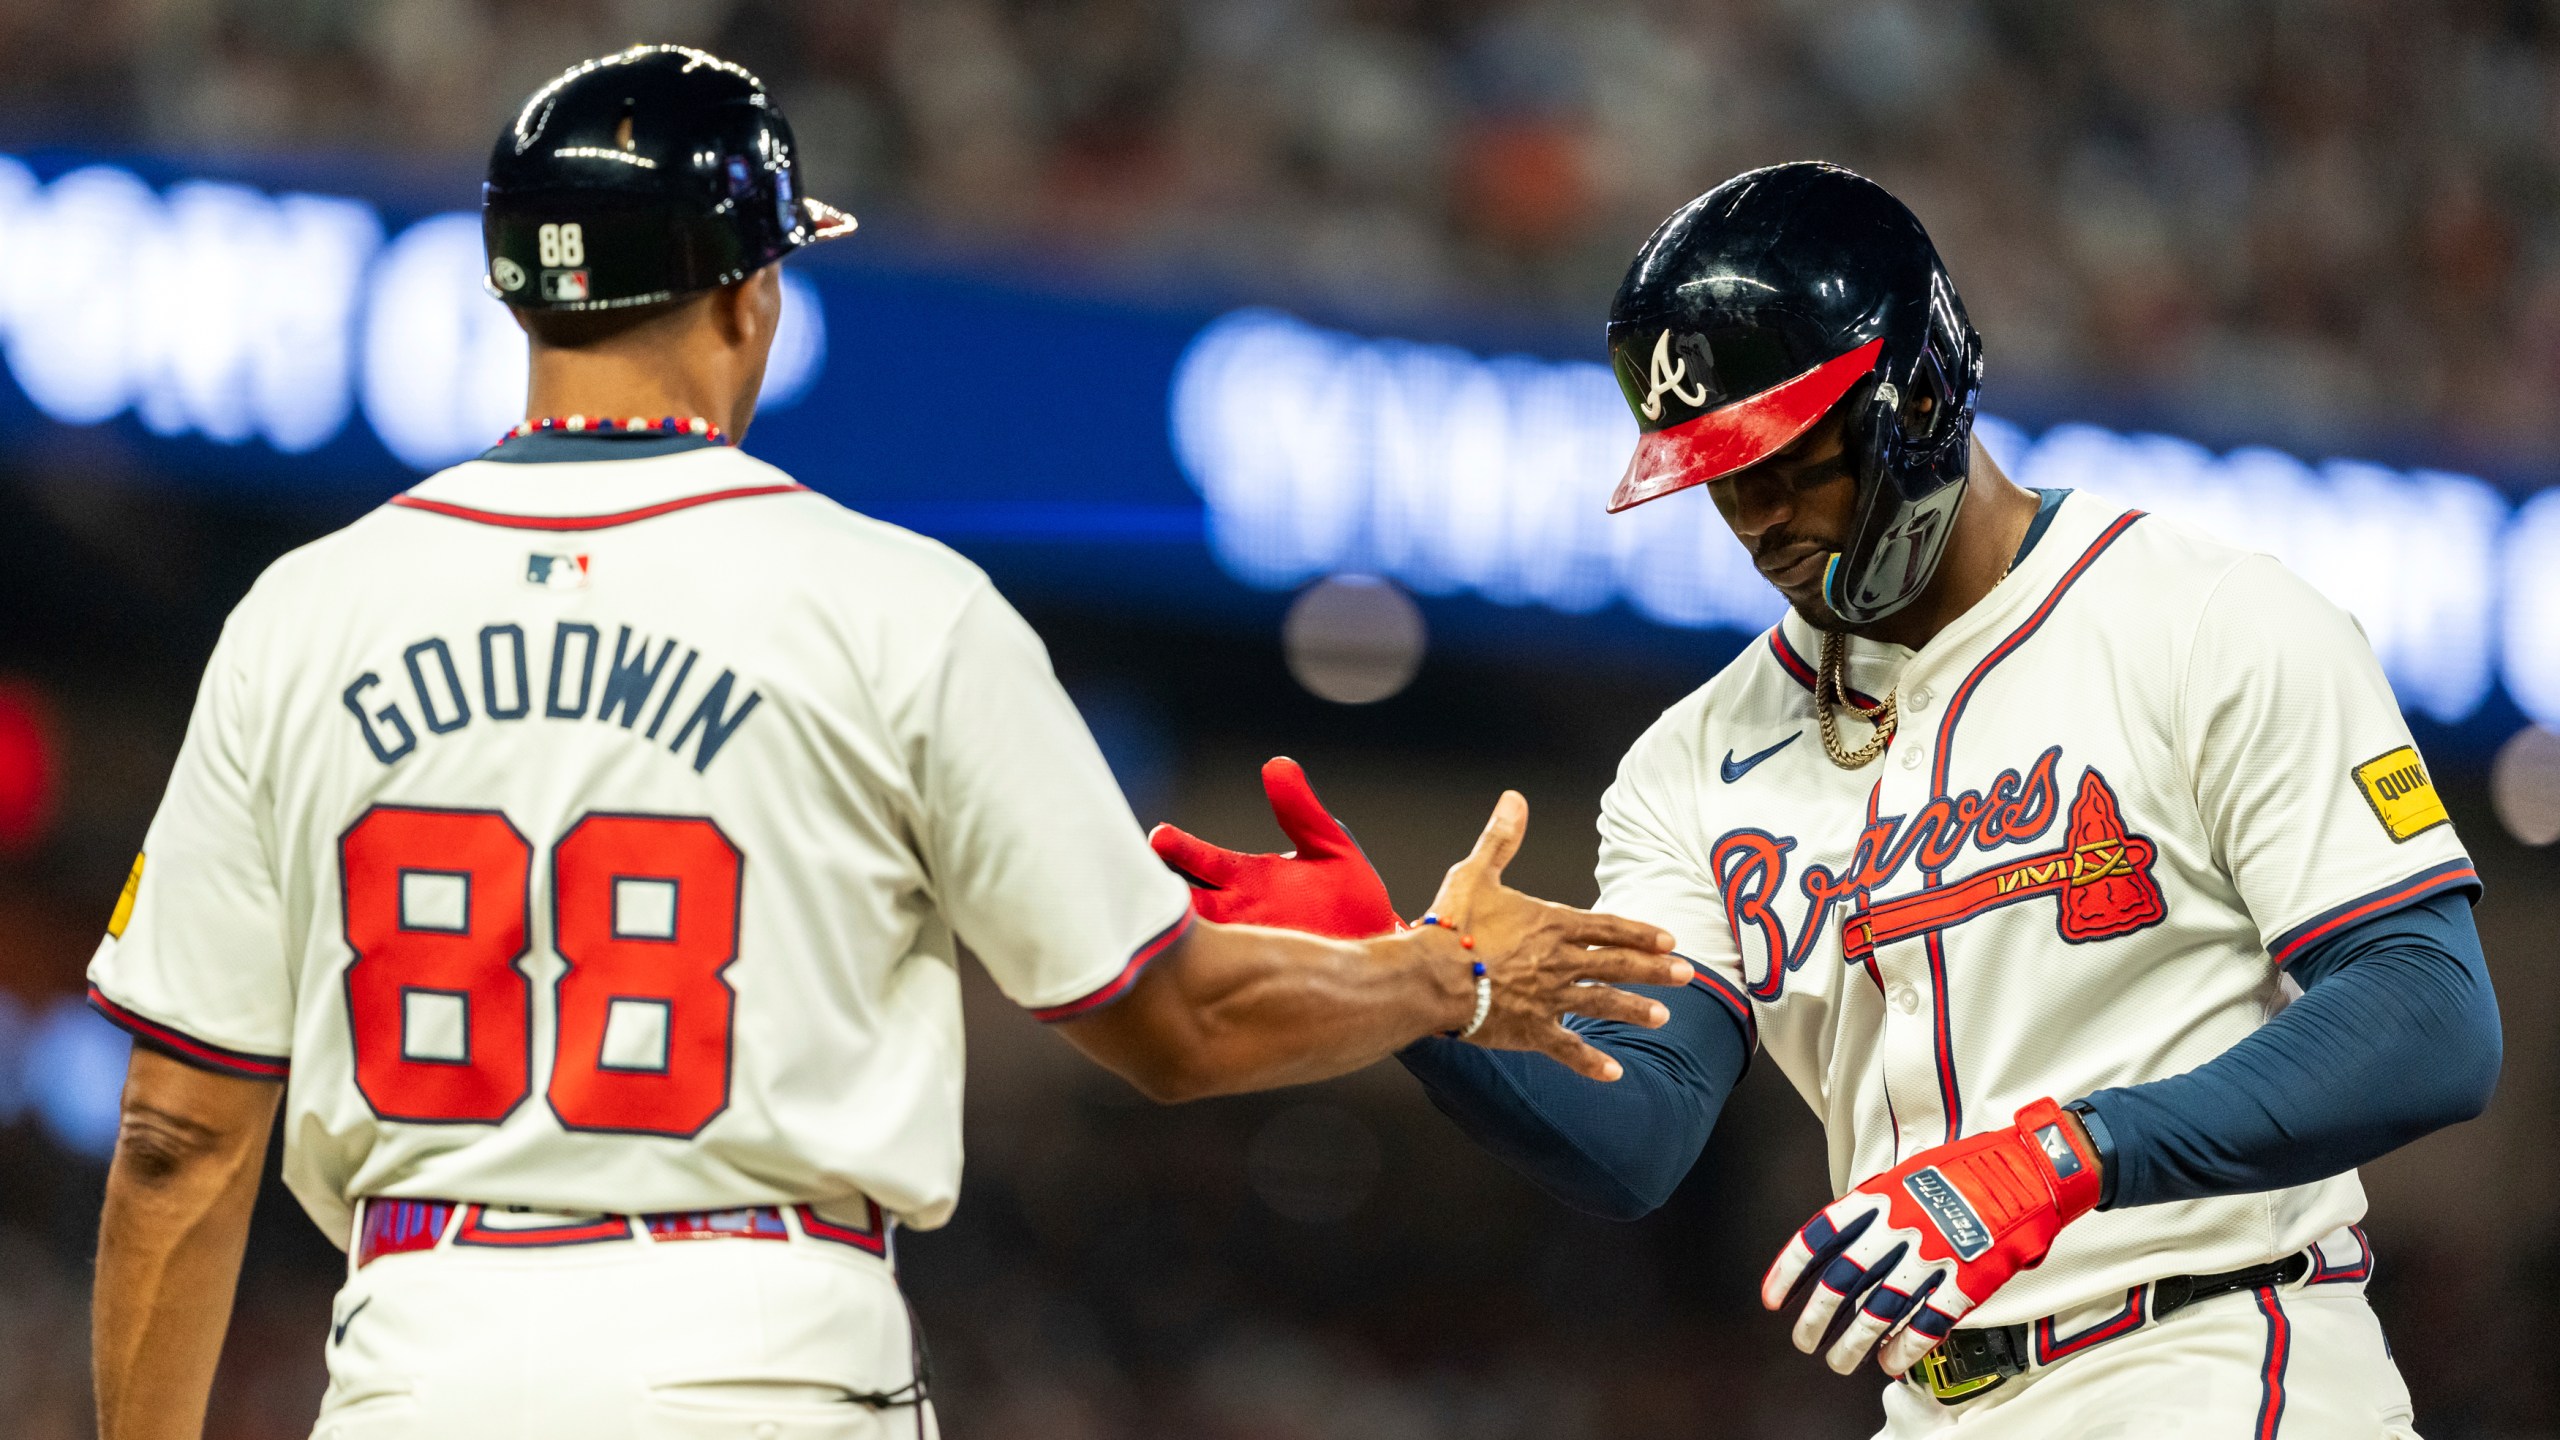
(1974, 1362)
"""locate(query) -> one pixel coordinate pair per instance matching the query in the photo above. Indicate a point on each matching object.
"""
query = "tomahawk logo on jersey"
(2140, 770)
(521, 869)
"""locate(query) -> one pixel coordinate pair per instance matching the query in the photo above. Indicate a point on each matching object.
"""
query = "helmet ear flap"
(1925, 402)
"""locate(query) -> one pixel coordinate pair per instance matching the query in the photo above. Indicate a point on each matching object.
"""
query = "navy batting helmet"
(1763, 303)
(642, 176)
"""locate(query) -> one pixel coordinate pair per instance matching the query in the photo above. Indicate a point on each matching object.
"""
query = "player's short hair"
(582, 329)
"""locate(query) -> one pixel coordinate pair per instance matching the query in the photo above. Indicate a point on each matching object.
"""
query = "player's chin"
(1807, 601)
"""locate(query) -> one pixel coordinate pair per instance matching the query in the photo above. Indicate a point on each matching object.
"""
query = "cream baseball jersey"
(594, 835)
(2128, 786)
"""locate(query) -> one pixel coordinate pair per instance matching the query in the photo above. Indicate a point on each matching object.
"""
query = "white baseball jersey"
(593, 836)
(2128, 786)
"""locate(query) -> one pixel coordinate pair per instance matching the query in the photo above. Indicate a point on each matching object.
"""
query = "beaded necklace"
(606, 424)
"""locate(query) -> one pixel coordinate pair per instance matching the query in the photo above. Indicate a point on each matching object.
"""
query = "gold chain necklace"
(1830, 689)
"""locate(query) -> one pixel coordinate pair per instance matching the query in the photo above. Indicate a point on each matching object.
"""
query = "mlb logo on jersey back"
(556, 572)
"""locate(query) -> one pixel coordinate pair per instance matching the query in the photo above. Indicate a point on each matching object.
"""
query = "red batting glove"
(1931, 1238)
(1325, 886)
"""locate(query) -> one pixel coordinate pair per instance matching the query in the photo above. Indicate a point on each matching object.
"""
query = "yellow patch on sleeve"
(2395, 784)
(124, 902)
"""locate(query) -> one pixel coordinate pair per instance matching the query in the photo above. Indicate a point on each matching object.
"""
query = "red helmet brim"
(1740, 435)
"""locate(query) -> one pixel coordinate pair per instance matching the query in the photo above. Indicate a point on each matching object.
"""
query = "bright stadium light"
(444, 364)
(799, 345)
(213, 310)
(74, 325)
(72, 1076)
(1320, 452)
(2530, 638)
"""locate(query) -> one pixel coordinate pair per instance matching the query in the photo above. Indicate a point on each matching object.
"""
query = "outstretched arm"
(1615, 1151)
(177, 1214)
(1244, 1007)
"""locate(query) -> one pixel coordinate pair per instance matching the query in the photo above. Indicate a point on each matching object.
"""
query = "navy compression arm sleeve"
(2395, 1035)
(1615, 1149)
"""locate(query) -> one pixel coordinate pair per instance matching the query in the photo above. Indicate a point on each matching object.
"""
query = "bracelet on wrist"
(1483, 979)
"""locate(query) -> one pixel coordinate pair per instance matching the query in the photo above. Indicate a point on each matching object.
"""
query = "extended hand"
(1931, 1238)
(1540, 958)
(1324, 887)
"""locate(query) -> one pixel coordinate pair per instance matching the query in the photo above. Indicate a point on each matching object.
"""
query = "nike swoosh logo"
(339, 1335)
(1735, 769)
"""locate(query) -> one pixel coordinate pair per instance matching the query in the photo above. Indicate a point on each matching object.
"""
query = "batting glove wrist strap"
(1905, 1255)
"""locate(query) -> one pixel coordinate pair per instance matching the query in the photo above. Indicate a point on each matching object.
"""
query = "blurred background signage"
(338, 343)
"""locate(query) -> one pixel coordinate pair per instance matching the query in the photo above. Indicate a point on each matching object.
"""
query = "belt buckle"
(1937, 1375)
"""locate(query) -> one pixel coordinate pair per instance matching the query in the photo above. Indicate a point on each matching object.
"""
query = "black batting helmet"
(1763, 303)
(642, 176)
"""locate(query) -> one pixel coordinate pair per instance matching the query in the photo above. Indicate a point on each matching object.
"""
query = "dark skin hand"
(1794, 510)
(1240, 1007)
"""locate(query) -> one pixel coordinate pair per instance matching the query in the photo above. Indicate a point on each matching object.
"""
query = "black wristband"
(2104, 1143)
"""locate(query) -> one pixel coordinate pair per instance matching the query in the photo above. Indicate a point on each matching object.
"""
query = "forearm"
(1240, 1007)
(2396, 1037)
(1614, 1150)
(179, 1194)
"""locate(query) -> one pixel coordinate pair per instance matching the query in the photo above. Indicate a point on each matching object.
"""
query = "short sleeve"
(1653, 869)
(2316, 799)
(1034, 856)
(195, 960)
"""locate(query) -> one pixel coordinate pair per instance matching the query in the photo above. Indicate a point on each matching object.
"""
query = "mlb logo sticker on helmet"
(564, 284)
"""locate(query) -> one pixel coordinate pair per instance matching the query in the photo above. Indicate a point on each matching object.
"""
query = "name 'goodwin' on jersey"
(2129, 786)
(439, 696)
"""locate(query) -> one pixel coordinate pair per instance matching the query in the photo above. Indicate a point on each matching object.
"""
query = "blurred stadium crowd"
(2346, 211)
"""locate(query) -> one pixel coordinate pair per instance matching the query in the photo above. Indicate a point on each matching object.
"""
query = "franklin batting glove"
(1904, 1256)
(1324, 887)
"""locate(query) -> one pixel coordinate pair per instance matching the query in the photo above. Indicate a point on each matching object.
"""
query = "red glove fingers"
(1303, 818)
(1325, 887)
(1196, 860)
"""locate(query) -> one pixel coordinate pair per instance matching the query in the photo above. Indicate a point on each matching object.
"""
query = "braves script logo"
(2101, 876)
(1751, 865)
(1664, 378)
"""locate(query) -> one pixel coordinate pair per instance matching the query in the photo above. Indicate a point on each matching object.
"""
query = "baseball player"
(2078, 870)
(579, 845)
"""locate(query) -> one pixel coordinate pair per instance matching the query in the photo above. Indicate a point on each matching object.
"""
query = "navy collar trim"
(553, 446)
(2048, 504)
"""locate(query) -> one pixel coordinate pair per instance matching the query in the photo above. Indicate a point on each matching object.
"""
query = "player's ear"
(750, 309)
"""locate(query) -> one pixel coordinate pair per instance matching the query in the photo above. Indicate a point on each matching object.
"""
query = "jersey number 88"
(644, 917)
(563, 244)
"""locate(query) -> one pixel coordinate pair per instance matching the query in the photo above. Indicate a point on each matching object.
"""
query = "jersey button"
(1905, 999)
(1911, 757)
(1918, 700)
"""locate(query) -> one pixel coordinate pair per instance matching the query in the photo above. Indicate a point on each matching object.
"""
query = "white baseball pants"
(632, 1340)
